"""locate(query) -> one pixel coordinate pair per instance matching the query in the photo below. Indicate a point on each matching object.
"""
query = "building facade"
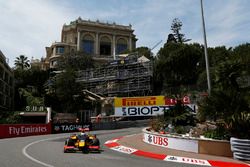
(6, 85)
(121, 74)
(101, 40)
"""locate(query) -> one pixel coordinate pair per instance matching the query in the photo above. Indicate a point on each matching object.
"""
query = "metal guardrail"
(240, 148)
(120, 124)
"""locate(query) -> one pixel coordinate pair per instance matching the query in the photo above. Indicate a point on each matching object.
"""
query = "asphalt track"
(47, 151)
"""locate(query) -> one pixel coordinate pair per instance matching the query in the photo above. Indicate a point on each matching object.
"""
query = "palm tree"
(22, 62)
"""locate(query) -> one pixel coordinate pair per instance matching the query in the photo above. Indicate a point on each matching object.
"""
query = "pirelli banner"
(140, 106)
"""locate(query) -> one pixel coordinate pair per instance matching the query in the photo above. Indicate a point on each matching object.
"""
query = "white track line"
(24, 151)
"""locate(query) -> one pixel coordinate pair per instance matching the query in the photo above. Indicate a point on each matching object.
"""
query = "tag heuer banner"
(68, 127)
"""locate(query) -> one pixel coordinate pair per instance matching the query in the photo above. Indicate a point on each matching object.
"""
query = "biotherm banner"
(140, 106)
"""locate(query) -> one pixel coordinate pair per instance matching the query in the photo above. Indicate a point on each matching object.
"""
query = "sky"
(28, 26)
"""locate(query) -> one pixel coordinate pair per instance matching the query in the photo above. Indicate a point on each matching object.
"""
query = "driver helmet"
(82, 133)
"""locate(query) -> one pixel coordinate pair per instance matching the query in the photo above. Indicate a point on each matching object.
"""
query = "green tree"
(76, 60)
(31, 100)
(217, 55)
(62, 88)
(176, 65)
(66, 89)
(22, 62)
(242, 52)
(171, 39)
(31, 78)
(229, 101)
(144, 51)
(176, 28)
(179, 115)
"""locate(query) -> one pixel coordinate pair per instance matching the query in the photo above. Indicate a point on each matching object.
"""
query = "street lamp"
(205, 49)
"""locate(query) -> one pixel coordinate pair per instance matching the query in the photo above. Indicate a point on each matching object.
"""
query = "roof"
(33, 114)
(143, 59)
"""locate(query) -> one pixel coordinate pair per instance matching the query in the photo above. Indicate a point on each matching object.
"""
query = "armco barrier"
(120, 124)
(20, 130)
(240, 148)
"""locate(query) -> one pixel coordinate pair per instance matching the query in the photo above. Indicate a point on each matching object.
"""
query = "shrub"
(157, 123)
(179, 115)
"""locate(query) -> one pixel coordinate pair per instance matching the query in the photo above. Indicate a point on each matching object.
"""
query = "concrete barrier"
(190, 144)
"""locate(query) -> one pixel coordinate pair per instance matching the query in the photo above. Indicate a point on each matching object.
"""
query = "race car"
(94, 144)
(82, 142)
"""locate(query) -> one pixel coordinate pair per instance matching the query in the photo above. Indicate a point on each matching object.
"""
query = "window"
(88, 44)
(121, 46)
(6, 77)
(1, 86)
(59, 50)
(65, 38)
(2, 100)
(1, 73)
(105, 46)
(11, 81)
(75, 40)
(53, 63)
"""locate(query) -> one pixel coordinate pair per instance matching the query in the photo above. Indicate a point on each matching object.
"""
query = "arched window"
(121, 45)
(88, 44)
(105, 46)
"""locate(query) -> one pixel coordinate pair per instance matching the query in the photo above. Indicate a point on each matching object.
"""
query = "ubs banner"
(140, 106)
(176, 143)
(19, 130)
(68, 127)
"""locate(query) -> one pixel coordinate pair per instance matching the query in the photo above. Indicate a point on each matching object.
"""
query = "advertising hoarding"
(69, 127)
(140, 106)
(145, 106)
(20, 130)
(172, 101)
(171, 142)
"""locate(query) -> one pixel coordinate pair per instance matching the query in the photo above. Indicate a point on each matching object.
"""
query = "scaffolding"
(121, 77)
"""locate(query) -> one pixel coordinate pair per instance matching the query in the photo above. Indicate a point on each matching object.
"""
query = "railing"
(240, 148)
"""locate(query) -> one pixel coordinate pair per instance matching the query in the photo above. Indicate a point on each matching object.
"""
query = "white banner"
(187, 160)
(171, 142)
(140, 111)
(124, 149)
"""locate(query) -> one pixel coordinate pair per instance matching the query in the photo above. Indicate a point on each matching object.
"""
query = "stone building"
(122, 75)
(101, 40)
(6, 85)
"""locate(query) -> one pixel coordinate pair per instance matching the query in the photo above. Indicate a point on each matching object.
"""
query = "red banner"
(19, 130)
(184, 100)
